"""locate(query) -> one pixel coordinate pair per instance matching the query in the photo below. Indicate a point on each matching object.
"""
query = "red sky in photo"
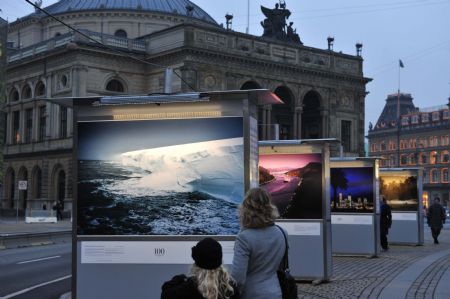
(288, 161)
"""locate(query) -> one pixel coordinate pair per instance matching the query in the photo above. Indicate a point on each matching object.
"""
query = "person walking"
(436, 218)
(259, 248)
(385, 223)
(208, 280)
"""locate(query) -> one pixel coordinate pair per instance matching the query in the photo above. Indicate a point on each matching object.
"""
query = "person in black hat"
(208, 280)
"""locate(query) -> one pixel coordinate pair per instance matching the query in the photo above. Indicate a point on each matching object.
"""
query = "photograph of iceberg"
(295, 183)
(351, 189)
(160, 177)
(400, 192)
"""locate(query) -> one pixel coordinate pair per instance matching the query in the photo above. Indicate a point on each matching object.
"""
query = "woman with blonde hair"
(208, 280)
(259, 248)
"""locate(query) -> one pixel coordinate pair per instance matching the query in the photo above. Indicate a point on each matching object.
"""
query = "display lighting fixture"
(168, 115)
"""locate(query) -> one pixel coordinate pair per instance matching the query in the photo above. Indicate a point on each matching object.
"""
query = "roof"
(177, 7)
(390, 116)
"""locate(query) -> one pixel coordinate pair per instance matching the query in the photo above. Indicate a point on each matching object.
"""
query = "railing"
(62, 40)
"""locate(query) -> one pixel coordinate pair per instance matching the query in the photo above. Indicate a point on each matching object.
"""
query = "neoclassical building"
(323, 91)
(415, 137)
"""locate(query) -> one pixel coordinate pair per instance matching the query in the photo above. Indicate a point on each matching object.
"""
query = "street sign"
(23, 185)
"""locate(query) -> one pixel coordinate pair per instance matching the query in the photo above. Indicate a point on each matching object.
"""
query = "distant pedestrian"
(385, 223)
(259, 248)
(208, 280)
(58, 208)
(436, 218)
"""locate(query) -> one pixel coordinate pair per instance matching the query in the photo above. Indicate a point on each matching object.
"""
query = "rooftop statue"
(275, 25)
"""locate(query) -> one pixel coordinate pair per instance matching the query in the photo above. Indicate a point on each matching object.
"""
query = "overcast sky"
(415, 31)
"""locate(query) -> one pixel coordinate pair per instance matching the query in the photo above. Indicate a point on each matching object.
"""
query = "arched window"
(37, 183)
(10, 183)
(26, 92)
(61, 187)
(14, 95)
(121, 33)
(40, 89)
(115, 86)
(445, 175)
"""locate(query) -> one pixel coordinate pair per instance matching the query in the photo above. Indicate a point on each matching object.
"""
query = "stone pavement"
(401, 272)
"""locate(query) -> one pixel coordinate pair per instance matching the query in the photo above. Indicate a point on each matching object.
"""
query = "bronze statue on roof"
(275, 25)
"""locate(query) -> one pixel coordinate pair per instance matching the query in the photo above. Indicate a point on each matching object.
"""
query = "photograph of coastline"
(295, 183)
(400, 191)
(160, 177)
(351, 189)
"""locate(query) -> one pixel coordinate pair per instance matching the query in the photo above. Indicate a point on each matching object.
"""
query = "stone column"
(324, 114)
(264, 123)
(269, 122)
(298, 123)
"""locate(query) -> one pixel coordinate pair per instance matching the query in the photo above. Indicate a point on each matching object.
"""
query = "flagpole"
(398, 114)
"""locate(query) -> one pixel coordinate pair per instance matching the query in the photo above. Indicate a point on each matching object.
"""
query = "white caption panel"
(404, 216)
(352, 219)
(301, 229)
(144, 252)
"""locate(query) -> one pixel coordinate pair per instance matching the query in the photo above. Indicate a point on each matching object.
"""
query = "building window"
(392, 145)
(425, 117)
(423, 158)
(412, 143)
(57, 34)
(115, 85)
(415, 119)
(425, 176)
(444, 156)
(14, 95)
(433, 157)
(413, 158)
(445, 114)
(42, 123)
(404, 159)
(28, 125)
(346, 133)
(63, 81)
(40, 89)
(392, 161)
(16, 127)
(445, 175)
(373, 147)
(405, 121)
(63, 122)
(383, 146)
(435, 116)
(434, 176)
(26, 92)
(121, 33)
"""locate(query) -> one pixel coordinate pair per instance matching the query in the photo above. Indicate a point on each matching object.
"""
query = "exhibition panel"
(296, 173)
(402, 188)
(355, 206)
(154, 175)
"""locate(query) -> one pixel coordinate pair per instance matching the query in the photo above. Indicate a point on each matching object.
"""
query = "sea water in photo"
(179, 189)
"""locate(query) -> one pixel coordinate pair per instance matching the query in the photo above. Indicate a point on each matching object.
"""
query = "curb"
(35, 239)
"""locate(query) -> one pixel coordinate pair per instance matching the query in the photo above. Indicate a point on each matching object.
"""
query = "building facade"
(416, 137)
(3, 48)
(323, 91)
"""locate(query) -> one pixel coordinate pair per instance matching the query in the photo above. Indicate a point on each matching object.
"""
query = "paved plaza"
(401, 272)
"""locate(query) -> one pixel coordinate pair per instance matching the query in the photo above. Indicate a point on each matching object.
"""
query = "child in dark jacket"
(208, 280)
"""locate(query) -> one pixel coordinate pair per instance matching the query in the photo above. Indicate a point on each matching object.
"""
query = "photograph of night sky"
(160, 177)
(295, 183)
(351, 190)
(400, 192)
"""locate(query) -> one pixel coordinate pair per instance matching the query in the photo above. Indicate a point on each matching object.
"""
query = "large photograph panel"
(295, 183)
(352, 189)
(160, 177)
(400, 192)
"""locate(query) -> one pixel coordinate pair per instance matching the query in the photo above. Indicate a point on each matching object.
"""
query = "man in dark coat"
(385, 223)
(436, 219)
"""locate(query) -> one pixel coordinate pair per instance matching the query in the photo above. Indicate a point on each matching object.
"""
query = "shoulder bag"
(287, 282)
